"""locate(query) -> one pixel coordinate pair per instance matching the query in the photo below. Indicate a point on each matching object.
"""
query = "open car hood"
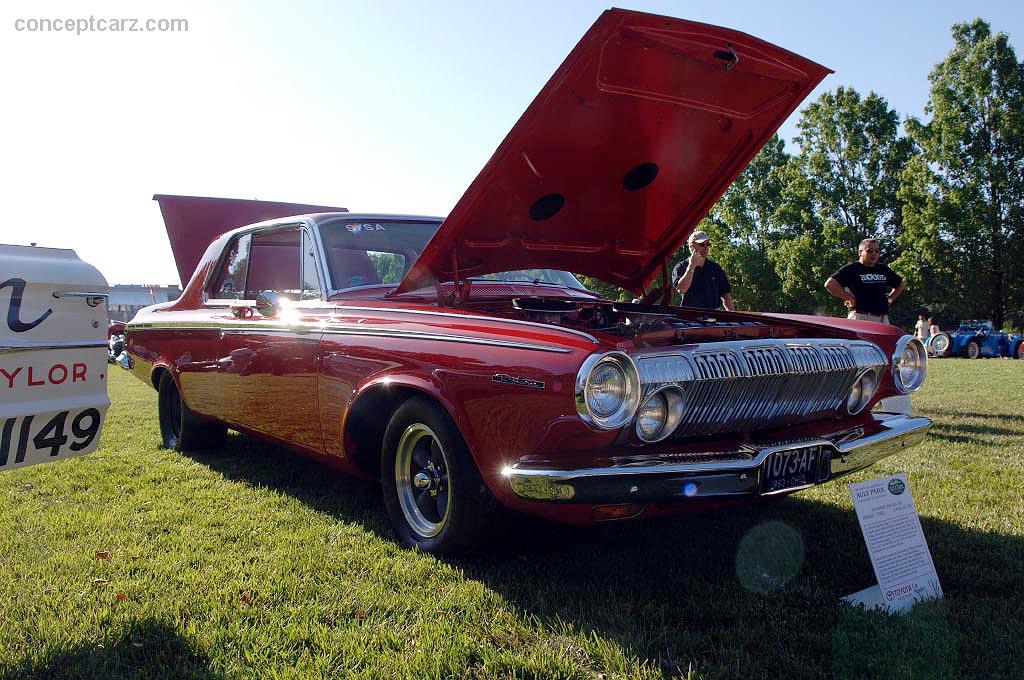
(623, 152)
(194, 221)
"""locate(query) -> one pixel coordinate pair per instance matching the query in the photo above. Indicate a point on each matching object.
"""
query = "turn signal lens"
(603, 513)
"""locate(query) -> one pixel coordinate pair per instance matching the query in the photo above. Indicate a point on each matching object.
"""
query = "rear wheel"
(973, 350)
(181, 428)
(433, 492)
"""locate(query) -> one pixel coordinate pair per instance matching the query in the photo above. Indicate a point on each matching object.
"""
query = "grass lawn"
(136, 562)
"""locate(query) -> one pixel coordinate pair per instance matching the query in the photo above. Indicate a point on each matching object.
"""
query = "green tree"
(744, 230)
(842, 186)
(965, 198)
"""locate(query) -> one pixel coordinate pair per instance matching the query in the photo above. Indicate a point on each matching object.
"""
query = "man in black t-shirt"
(866, 287)
(701, 282)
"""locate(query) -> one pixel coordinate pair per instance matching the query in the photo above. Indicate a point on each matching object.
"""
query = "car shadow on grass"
(966, 433)
(946, 414)
(748, 591)
(754, 591)
(147, 650)
(255, 462)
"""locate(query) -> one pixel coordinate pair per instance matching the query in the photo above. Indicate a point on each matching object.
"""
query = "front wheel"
(181, 428)
(433, 492)
(973, 350)
(940, 344)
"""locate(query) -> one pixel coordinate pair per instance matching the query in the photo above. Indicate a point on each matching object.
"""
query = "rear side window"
(266, 260)
(275, 259)
(229, 284)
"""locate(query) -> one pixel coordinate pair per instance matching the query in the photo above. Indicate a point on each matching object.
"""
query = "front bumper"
(717, 475)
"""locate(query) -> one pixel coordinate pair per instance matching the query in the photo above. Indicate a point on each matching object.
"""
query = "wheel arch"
(371, 410)
(158, 374)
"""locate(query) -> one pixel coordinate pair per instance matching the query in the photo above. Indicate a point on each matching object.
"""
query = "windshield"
(373, 253)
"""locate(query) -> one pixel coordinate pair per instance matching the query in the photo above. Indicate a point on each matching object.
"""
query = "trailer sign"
(53, 368)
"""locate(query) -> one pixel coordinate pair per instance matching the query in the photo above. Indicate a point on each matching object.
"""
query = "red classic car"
(460, 362)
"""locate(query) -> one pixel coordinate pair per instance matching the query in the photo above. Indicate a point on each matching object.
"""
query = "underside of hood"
(194, 221)
(625, 149)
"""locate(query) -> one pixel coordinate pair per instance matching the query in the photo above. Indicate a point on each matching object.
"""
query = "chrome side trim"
(476, 317)
(304, 331)
(717, 475)
(444, 338)
(6, 349)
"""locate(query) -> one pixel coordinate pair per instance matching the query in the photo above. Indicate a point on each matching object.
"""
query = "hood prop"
(666, 288)
(461, 293)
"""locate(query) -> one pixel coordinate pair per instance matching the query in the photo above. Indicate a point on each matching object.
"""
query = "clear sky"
(376, 106)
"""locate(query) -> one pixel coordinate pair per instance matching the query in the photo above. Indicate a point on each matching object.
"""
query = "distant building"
(125, 300)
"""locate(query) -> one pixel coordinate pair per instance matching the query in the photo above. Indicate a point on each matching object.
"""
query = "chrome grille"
(748, 385)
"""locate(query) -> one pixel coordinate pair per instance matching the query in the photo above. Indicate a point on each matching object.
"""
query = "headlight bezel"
(674, 411)
(922, 356)
(865, 398)
(631, 399)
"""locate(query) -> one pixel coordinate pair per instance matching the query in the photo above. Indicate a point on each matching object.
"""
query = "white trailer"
(53, 356)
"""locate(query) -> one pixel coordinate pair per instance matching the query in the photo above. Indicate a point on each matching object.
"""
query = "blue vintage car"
(976, 339)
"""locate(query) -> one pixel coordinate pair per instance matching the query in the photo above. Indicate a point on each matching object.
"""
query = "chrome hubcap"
(421, 480)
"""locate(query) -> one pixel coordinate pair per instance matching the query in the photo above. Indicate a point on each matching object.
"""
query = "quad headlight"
(659, 415)
(607, 390)
(864, 387)
(909, 364)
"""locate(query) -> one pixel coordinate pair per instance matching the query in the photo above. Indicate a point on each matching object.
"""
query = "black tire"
(940, 344)
(181, 428)
(433, 492)
(972, 350)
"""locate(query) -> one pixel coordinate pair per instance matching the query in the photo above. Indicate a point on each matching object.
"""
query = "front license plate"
(792, 469)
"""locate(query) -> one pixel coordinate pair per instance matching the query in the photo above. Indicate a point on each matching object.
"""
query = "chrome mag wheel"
(421, 480)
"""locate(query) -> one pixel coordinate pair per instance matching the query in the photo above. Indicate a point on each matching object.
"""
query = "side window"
(230, 280)
(311, 287)
(274, 263)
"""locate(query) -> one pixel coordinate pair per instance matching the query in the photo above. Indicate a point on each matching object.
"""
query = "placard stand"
(896, 544)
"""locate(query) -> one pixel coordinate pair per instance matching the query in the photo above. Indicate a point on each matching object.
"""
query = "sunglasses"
(872, 250)
(704, 244)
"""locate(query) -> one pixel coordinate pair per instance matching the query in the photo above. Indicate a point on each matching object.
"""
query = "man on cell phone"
(701, 281)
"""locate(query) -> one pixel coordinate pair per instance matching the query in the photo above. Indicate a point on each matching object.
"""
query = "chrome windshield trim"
(5, 349)
(473, 317)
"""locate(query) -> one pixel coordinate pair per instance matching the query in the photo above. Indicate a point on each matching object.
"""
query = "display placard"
(896, 544)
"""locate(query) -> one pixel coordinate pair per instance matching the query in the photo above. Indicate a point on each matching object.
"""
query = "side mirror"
(268, 303)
